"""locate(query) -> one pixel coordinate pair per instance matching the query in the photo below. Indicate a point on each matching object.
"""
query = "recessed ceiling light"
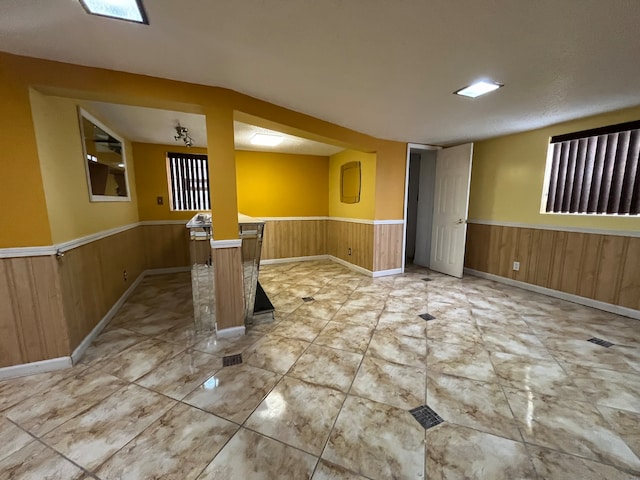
(266, 140)
(479, 88)
(131, 10)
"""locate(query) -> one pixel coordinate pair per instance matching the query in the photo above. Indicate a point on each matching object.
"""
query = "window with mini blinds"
(188, 176)
(594, 171)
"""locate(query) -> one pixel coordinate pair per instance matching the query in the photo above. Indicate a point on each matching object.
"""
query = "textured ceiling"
(382, 67)
(151, 125)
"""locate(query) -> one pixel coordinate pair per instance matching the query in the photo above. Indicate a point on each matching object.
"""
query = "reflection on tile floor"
(325, 390)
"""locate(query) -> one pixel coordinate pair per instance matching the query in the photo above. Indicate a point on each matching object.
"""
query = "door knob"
(460, 221)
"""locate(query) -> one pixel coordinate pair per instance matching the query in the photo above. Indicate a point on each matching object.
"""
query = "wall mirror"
(104, 159)
(350, 182)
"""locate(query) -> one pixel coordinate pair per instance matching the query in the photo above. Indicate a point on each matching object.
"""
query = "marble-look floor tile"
(330, 471)
(234, 392)
(587, 354)
(534, 374)
(221, 347)
(161, 322)
(140, 359)
(453, 332)
(180, 375)
(177, 446)
(608, 388)
(571, 427)
(17, 389)
(357, 315)
(110, 343)
(275, 353)
(402, 324)
(185, 335)
(626, 424)
(38, 462)
(345, 336)
(469, 361)
(297, 413)
(516, 343)
(320, 309)
(326, 366)
(46, 410)
(397, 385)
(286, 303)
(450, 312)
(251, 456)
(398, 348)
(500, 320)
(299, 327)
(473, 404)
(553, 465)
(365, 300)
(377, 441)
(408, 305)
(108, 426)
(297, 291)
(333, 294)
(13, 438)
(455, 452)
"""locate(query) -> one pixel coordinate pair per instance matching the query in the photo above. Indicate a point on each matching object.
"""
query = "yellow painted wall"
(150, 162)
(366, 208)
(24, 218)
(282, 185)
(269, 184)
(508, 174)
(71, 213)
(24, 221)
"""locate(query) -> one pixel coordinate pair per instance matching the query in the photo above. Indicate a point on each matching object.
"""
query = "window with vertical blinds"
(595, 171)
(188, 181)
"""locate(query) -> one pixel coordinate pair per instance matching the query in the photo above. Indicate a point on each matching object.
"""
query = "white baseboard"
(309, 258)
(68, 361)
(384, 273)
(607, 307)
(356, 268)
(86, 342)
(364, 271)
(163, 271)
(231, 332)
(32, 368)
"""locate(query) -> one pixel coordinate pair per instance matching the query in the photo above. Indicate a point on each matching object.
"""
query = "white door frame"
(410, 146)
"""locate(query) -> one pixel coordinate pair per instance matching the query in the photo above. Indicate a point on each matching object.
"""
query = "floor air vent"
(599, 341)
(232, 360)
(426, 417)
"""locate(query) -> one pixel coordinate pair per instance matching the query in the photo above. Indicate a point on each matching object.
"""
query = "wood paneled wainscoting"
(32, 323)
(294, 238)
(344, 235)
(376, 246)
(48, 305)
(601, 267)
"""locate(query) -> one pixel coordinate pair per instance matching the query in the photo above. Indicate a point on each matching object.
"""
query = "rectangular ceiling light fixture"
(478, 88)
(130, 10)
(266, 140)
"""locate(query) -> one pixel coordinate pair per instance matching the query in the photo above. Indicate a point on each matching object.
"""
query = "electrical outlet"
(349, 252)
(124, 274)
(516, 266)
(159, 200)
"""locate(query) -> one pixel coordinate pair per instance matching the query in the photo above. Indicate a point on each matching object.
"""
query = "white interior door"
(450, 209)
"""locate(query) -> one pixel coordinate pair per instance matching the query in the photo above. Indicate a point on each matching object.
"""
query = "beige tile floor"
(325, 389)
